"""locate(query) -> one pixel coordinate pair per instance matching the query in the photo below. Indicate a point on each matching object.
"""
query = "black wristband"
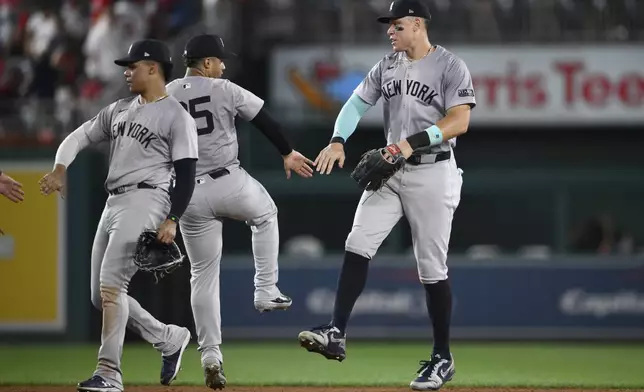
(173, 218)
(337, 139)
(417, 140)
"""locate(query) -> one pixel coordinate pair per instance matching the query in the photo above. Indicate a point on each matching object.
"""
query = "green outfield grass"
(367, 364)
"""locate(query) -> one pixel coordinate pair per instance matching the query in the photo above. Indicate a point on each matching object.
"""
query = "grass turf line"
(367, 364)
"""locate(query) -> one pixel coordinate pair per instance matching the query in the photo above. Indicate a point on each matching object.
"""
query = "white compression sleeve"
(72, 145)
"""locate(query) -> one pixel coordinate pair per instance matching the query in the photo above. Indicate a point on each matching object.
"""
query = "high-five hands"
(53, 182)
(298, 163)
(11, 189)
(332, 153)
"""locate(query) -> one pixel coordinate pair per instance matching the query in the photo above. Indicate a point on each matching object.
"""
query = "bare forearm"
(454, 124)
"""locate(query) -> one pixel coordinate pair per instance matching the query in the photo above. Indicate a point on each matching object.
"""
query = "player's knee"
(430, 274)
(97, 301)
(358, 243)
(109, 295)
(265, 222)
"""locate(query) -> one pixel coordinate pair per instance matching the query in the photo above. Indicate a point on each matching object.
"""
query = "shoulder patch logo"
(466, 92)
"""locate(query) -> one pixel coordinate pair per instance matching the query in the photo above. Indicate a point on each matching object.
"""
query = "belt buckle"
(414, 159)
(120, 189)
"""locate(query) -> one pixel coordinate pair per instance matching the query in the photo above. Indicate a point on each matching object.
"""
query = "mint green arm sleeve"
(349, 116)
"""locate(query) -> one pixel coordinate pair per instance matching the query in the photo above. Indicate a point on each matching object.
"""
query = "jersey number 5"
(191, 107)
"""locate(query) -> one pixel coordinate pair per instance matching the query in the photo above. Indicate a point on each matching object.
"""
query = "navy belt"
(429, 158)
(215, 174)
(125, 188)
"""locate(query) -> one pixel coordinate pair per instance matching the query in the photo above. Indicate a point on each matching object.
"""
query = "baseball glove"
(377, 166)
(152, 255)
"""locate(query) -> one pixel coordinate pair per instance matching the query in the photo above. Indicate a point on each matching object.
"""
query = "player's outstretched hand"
(11, 189)
(167, 231)
(331, 154)
(299, 164)
(53, 182)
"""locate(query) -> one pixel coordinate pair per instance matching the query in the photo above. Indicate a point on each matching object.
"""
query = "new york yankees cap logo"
(146, 49)
(206, 45)
(401, 8)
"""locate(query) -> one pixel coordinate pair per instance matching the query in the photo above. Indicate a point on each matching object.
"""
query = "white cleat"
(282, 302)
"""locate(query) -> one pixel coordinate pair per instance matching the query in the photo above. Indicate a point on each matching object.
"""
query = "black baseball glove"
(377, 166)
(152, 255)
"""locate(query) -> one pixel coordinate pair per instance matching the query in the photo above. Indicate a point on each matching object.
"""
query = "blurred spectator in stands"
(41, 34)
(512, 17)
(600, 235)
(543, 25)
(8, 25)
(11, 82)
(571, 18)
(74, 19)
(599, 19)
(13, 22)
(116, 25)
(635, 17)
(449, 20)
(483, 21)
(628, 19)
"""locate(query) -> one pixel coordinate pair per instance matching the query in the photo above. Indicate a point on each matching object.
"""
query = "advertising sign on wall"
(32, 255)
(516, 299)
(514, 85)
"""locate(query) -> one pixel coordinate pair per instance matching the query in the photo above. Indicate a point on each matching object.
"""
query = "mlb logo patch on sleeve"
(466, 92)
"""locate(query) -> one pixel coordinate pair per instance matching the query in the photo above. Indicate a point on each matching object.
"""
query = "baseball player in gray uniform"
(225, 190)
(153, 141)
(428, 95)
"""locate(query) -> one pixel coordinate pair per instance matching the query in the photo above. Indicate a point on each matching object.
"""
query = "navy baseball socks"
(439, 369)
(330, 340)
(439, 307)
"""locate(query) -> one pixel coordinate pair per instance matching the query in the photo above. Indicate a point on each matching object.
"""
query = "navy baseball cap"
(206, 45)
(146, 49)
(401, 8)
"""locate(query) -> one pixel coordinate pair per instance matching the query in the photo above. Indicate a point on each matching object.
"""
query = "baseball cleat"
(215, 377)
(171, 364)
(433, 374)
(325, 340)
(97, 384)
(282, 302)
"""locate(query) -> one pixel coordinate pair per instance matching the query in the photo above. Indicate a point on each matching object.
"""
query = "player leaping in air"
(225, 190)
(428, 95)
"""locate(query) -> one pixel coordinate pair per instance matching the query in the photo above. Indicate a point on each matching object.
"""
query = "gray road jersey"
(144, 140)
(214, 104)
(417, 94)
